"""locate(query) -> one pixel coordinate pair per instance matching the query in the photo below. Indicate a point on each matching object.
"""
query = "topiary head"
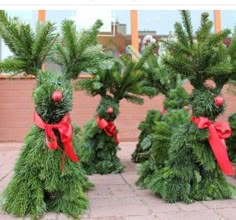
(207, 102)
(108, 108)
(52, 97)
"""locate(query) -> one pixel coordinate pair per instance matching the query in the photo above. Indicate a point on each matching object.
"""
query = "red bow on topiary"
(218, 131)
(108, 127)
(65, 130)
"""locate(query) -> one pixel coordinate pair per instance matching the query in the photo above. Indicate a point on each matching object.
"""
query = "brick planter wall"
(16, 109)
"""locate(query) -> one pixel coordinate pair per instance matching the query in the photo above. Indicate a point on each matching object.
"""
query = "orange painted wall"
(16, 110)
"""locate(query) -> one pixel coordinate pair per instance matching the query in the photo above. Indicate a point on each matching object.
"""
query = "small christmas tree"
(47, 176)
(121, 79)
(47, 171)
(191, 160)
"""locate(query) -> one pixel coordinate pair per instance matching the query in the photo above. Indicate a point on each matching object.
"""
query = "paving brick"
(107, 218)
(63, 217)
(158, 205)
(100, 191)
(130, 178)
(191, 215)
(121, 191)
(8, 217)
(191, 207)
(227, 213)
(49, 216)
(114, 202)
(228, 203)
(120, 211)
(106, 179)
(149, 217)
(129, 169)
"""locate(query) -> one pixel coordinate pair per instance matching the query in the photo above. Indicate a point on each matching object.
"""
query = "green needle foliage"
(182, 166)
(231, 142)
(145, 140)
(123, 78)
(160, 144)
(77, 52)
(39, 184)
(169, 84)
(29, 48)
(43, 185)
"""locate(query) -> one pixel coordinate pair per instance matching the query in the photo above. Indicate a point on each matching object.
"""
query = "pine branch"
(69, 34)
(134, 99)
(182, 38)
(44, 40)
(30, 49)
(78, 51)
(12, 65)
(186, 19)
(88, 37)
(205, 28)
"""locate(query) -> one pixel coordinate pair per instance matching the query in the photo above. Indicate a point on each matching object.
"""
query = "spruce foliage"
(231, 142)
(168, 84)
(121, 79)
(185, 168)
(77, 52)
(38, 171)
(146, 128)
(29, 48)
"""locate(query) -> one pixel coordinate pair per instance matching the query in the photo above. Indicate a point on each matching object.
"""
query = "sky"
(161, 21)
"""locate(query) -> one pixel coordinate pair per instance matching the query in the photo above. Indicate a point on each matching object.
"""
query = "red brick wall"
(16, 109)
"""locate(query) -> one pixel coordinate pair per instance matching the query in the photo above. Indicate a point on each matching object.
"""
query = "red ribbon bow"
(108, 127)
(65, 130)
(218, 132)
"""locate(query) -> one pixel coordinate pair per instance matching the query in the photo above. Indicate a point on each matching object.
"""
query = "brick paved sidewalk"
(115, 197)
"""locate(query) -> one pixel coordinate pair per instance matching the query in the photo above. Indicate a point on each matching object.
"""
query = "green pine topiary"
(186, 168)
(47, 170)
(121, 79)
(50, 180)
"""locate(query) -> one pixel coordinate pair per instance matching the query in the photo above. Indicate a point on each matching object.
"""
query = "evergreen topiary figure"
(122, 79)
(191, 163)
(47, 171)
(47, 175)
(168, 84)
